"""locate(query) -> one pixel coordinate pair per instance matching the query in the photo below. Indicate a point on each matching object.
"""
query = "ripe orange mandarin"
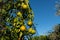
(33, 31)
(23, 28)
(19, 13)
(30, 30)
(30, 23)
(24, 6)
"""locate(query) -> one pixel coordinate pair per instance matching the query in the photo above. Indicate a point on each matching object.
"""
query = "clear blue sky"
(45, 17)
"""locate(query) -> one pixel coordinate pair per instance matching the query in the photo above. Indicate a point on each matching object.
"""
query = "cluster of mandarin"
(22, 21)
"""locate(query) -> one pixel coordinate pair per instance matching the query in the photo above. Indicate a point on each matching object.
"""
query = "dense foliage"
(16, 20)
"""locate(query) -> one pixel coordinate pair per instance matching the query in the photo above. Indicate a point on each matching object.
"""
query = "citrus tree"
(16, 20)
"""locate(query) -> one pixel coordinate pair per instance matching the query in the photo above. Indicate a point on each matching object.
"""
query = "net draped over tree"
(16, 20)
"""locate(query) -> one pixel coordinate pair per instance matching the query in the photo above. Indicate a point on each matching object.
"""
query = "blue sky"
(44, 11)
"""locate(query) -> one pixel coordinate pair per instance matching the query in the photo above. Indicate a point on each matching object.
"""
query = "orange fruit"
(33, 31)
(23, 28)
(30, 23)
(30, 30)
(24, 6)
(19, 13)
